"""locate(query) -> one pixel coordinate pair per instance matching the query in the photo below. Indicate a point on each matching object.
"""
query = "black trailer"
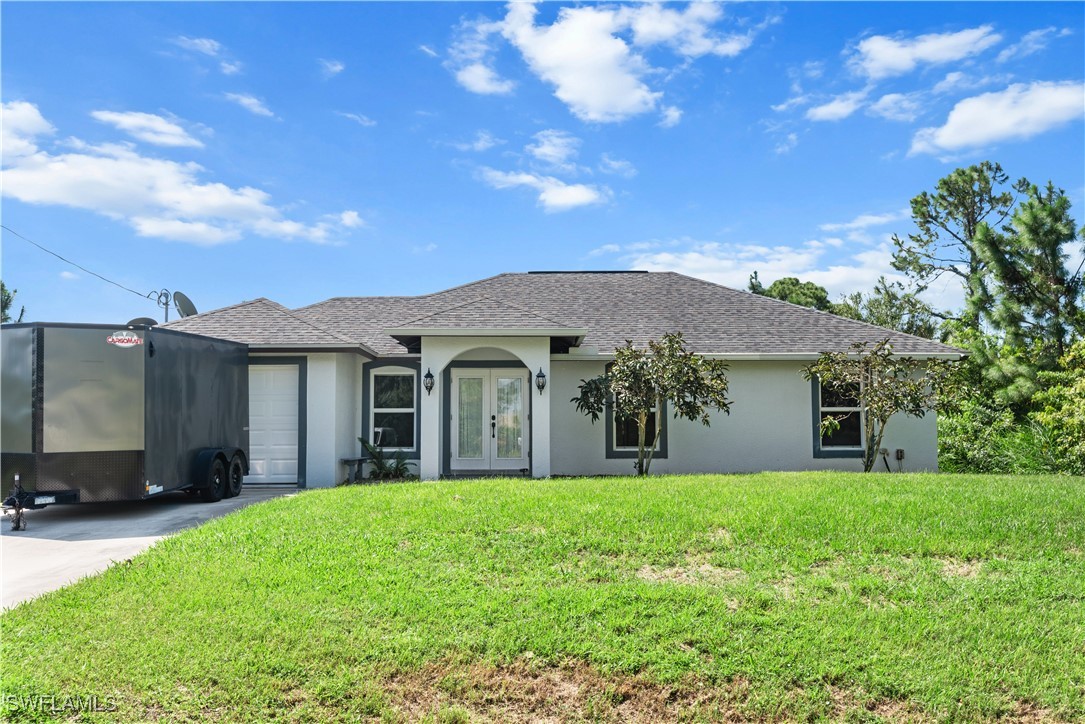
(99, 413)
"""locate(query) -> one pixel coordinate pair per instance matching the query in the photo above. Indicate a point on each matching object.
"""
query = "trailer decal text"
(124, 339)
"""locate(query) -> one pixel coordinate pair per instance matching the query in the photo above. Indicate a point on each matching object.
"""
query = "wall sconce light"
(540, 381)
(427, 381)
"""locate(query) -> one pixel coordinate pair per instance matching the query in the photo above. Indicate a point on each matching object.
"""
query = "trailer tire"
(215, 487)
(235, 476)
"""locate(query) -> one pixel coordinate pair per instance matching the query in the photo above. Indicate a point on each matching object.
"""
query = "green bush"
(1061, 409)
(985, 438)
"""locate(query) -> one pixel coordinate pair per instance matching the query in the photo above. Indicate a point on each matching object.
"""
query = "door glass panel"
(470, 417)
(510, 424)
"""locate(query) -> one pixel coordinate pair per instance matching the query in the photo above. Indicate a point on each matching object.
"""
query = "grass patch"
(772, 596)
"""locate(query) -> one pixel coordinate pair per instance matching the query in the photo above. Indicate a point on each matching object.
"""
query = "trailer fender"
(201, 469)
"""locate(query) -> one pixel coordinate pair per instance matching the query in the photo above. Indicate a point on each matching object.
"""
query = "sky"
(302, 151)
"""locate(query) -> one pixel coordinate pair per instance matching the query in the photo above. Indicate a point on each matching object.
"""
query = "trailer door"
(273, 424)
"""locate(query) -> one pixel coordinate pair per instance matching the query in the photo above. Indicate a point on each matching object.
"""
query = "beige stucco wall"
(770, 428)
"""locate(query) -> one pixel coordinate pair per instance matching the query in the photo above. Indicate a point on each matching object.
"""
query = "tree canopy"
(639, 381)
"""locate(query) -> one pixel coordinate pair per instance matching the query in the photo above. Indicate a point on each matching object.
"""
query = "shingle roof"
(483, 312)
(613, 307)
(260, 322)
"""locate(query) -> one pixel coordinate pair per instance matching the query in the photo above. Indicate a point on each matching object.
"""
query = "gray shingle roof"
(613, 307)
(483, 312)
(260, 322)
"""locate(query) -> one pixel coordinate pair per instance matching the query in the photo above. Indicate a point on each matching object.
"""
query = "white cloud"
(482, 79)
(205, 46)
(792, 102)
(20, 124)
(787, 144)
(592, 55)
(428, 51)
(593, 72)
(685, 31)
(838, 108)
(732, 264)
(881, 56)
(212, 49)
(250, 103)
(556, 149)
(351, 220)
(1031, 43)
(358, 118)
(470, 58)
(616, 166)
(897, 107)
(952, 81)
(671, 116)
(866, 221)
(68, 276)
(148, 127)
(156, 197)
(427, 249)
(330, 68)
(1020, 111)
(554, 194)
(483, 141)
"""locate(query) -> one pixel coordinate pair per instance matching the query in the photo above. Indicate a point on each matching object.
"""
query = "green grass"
(776, 596)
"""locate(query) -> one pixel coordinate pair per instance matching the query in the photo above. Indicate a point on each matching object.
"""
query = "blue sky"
(304, 151)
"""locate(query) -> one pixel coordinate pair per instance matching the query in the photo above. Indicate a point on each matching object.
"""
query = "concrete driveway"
(64, 543)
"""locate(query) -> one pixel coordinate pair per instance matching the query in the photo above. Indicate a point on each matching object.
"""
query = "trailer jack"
(14, 503)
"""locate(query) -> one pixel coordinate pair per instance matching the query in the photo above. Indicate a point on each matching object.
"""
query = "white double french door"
(490, 428)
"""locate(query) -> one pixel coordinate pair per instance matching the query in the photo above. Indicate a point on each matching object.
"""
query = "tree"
(884, 385)
(947, 222)
(1062, 409)
(890, 305)
(1035, 303)
(790, 289)
(641, 380)
(7, 299)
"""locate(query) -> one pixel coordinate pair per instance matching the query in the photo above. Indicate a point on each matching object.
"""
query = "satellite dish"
(184, 305)
(142, 321)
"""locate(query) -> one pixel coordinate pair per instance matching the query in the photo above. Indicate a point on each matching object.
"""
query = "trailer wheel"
(215, 488)
(235, 477)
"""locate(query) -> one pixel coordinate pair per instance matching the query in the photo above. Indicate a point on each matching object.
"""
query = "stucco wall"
(333, 411)
(770, 428)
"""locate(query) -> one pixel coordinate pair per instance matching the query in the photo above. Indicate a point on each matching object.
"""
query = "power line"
(69, 261)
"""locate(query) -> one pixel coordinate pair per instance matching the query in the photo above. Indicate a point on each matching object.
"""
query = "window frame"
(394, 371)
(832, 451)
(613, 452)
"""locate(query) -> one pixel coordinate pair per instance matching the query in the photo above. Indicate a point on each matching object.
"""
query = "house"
(478, 379)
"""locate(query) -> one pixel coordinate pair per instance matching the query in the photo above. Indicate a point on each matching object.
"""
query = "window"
(626, 431)
(392, 421)
(843, 404)
(621, 435)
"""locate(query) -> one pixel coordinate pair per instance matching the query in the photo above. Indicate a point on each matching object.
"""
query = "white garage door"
(273, 424)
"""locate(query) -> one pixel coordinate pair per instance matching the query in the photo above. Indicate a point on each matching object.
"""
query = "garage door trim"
(302, 364)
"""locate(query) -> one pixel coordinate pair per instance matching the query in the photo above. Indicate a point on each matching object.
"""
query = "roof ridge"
(527, 311)
(317, 327)
(238, 305)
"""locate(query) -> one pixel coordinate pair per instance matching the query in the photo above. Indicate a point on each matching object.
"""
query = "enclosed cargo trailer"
(99, 413)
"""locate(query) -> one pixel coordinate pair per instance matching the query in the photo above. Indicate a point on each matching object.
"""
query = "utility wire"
(69, 261)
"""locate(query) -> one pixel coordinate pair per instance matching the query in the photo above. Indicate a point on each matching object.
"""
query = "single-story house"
(478, 379)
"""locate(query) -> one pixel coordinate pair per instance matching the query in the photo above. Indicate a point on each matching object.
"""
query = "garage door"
(273, 424)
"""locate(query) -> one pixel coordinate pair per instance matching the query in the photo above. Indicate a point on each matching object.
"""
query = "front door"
(490, 428)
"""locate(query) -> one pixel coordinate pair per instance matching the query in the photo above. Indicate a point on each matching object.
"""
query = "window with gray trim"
(627, 432)
(393, 401)
(844, 406)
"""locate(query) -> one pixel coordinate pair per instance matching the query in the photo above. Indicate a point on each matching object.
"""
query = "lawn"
(772, 596)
